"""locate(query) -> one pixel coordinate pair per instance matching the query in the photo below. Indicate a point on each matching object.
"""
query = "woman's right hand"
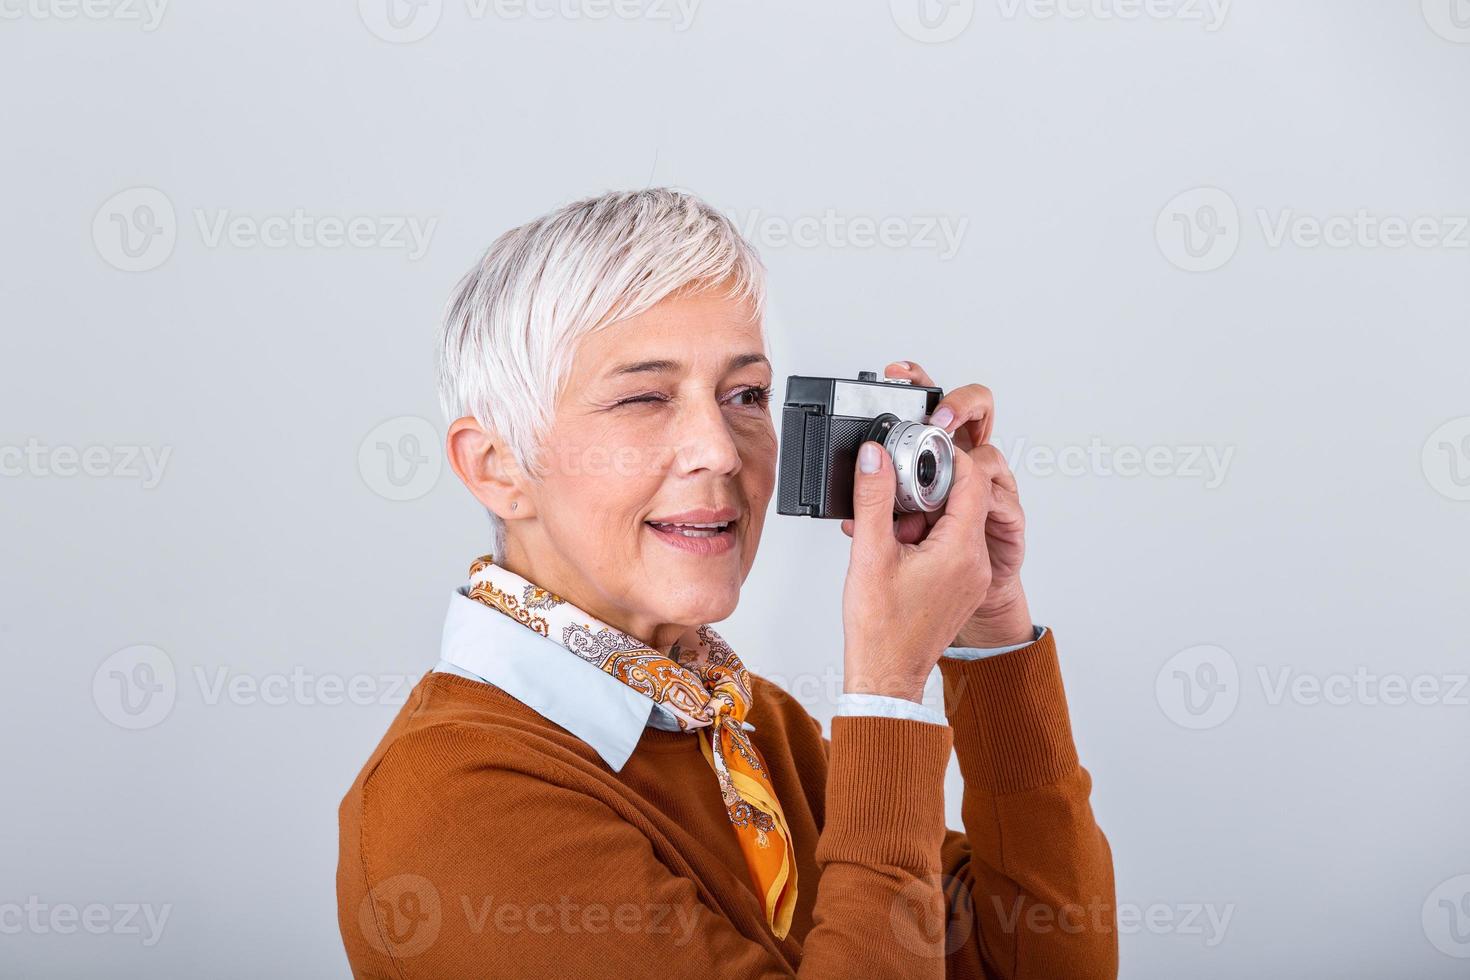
(902, 603)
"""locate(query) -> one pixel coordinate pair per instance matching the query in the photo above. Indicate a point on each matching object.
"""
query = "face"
(657, 470)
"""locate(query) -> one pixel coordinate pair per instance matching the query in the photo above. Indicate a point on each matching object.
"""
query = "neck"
(543, 567)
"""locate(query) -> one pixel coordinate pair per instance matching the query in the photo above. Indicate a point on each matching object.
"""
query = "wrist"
(885, 683)
(1003, 620)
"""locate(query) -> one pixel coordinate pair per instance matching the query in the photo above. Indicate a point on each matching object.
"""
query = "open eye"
(753, 395)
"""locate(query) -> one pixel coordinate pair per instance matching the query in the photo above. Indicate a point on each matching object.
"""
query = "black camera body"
(825, 420)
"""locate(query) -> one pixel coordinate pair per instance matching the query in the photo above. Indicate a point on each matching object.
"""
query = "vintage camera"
(825, 420)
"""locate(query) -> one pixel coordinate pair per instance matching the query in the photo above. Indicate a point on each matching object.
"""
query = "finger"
(1005, 495)
(992, 462)
(971, 408)
(872, 500)
(911, 372)
(907, 528)
(966, 507)
(910, 528)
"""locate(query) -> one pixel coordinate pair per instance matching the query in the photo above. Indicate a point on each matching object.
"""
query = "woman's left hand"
(968, 415)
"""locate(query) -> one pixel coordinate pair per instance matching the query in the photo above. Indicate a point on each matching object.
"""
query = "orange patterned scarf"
(705, 686)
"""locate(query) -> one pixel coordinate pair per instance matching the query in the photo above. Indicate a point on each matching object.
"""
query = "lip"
(718, 544)
(703, 515)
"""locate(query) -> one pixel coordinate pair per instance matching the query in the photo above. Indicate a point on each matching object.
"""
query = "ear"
(486, 466)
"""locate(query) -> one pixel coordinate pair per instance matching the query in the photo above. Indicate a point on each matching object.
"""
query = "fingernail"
(942, 418)
(901, 364)
(868, 460)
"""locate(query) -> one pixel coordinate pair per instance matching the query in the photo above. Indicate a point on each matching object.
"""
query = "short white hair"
(514, 321)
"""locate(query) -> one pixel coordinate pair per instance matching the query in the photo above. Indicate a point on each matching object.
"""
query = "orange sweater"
(481, 840)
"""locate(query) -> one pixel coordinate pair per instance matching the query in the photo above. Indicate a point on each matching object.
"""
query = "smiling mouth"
(694, 530)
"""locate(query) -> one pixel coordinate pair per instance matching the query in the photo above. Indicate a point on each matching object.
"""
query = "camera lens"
(926, 466)
(923, 455)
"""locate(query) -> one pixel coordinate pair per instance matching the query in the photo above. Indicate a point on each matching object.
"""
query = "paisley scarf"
(707, 689)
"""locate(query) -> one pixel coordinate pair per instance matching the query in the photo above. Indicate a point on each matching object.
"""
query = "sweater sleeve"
(466, 880)
(1029, 883)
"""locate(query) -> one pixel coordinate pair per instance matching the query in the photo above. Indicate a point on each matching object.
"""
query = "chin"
(698, 606)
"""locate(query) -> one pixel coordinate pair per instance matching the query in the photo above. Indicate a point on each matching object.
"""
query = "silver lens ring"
(923, 455)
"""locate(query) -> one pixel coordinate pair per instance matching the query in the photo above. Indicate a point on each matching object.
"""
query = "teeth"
(693, 530)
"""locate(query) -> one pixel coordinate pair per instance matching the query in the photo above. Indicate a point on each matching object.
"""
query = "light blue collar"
(485, 645)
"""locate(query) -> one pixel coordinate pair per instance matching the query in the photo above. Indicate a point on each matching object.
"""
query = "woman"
(590, 783)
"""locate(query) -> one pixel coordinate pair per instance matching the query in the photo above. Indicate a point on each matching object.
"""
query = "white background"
(1334, 542)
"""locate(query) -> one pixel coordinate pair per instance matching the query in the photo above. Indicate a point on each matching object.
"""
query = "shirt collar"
(544, 675)
(562, 687)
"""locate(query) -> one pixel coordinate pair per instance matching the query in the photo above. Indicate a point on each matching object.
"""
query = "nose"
(704, 441)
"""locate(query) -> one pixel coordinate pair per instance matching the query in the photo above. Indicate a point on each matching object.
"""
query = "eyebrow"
(661, 364)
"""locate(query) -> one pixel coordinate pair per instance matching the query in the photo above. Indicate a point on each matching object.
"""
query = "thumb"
(872, 498)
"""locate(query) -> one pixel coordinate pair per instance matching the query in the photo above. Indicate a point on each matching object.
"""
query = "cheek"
(758, 462)
(601, 475)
